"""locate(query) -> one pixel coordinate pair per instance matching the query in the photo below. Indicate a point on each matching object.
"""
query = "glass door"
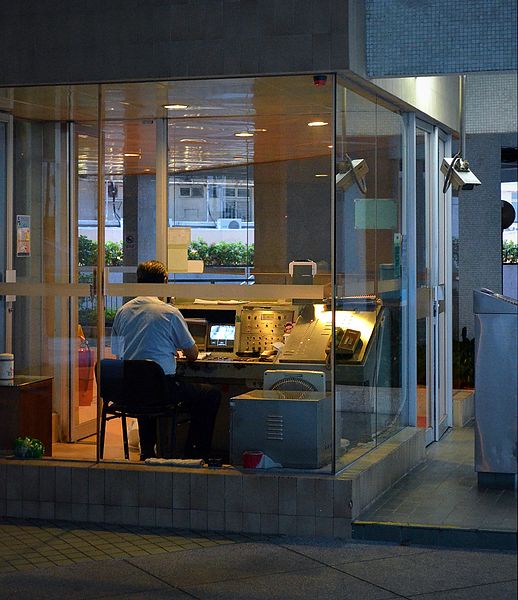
(40, 284)
(432, 290)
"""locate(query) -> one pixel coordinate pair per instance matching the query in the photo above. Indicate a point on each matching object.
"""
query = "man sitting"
(147, 328)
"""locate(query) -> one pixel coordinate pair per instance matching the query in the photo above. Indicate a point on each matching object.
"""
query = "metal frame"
(439, 368)
(9, 166)
(409, 228)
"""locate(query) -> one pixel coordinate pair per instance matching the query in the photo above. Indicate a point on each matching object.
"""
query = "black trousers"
(201, 401)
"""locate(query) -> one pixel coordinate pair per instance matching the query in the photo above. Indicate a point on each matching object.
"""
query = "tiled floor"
(36, 544)
(443, 492)
(85, 449)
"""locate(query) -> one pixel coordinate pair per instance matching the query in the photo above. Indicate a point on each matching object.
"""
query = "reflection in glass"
(369, 346)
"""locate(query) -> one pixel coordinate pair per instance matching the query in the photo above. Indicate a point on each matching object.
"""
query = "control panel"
(260, 327)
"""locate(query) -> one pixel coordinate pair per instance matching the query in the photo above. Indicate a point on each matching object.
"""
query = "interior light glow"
(321, 175)
(132, 154)
(175, 106)
(244, 134)
(193, 141)
(317, 123)
(255, 129)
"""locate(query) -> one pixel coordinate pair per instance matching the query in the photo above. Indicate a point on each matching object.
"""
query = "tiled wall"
(411, 37)
(116, 41)
(306, 505)
(492, 103)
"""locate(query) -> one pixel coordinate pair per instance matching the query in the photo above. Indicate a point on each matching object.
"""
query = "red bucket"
(251, 458)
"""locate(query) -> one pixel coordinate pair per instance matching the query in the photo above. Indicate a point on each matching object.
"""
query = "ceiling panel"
(202, 134)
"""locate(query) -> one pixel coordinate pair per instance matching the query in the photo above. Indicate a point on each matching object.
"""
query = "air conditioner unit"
(293, 428)
(229, 223)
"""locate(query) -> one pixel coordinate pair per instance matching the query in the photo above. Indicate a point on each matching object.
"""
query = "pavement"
(45, 559)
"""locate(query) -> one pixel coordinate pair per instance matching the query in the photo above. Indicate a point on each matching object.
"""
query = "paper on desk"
(201, 301)
(176, 462)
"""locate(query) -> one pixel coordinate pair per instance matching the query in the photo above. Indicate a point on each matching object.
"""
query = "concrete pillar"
(139, 230)
(480, 233)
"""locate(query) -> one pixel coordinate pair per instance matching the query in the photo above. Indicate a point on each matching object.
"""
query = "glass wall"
(371, 395)
(230, 184)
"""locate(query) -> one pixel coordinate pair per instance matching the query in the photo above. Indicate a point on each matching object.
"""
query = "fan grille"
(293, 384)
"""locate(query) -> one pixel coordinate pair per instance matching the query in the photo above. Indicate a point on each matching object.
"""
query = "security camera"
(319, 80)
(352, 171)
(457, 173)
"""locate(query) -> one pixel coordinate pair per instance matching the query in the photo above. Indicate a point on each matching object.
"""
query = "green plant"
(87, 253)
(28, 447)
(510, 252)
(222, 254)
(88, 316)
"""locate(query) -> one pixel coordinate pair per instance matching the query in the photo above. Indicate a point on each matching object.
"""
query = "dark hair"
(151, 271)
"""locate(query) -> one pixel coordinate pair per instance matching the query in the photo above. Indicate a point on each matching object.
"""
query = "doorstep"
(302, 504)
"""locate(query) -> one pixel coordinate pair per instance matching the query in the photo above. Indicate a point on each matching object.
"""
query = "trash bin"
(496, 388)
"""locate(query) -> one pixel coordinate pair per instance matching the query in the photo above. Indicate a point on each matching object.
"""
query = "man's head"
(151, 271)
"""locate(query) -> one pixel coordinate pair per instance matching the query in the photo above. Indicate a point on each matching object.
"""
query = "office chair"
(138, 388)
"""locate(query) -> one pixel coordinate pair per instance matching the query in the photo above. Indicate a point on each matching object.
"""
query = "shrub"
(510, 252)
(222, 254)
(87, 253)
(88, 316)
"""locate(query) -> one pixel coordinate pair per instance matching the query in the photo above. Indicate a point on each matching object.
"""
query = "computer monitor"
(198, 329)
(221, 337)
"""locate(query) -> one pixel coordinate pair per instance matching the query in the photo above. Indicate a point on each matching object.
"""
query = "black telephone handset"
(349, 342)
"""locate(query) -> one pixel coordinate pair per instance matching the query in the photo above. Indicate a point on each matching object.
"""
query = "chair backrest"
(133, 383)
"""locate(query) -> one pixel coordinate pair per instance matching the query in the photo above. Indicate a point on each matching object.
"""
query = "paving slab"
(322, 583)
(506, 590)
(222, 563)
(83, 581)
(435, 571)
(334, 552)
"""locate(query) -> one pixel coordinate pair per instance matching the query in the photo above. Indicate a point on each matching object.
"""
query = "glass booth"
(277, 206)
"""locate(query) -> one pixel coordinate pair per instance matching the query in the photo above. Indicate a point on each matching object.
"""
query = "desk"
(26, 410)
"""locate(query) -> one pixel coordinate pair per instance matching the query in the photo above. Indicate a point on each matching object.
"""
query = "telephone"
(347, 342)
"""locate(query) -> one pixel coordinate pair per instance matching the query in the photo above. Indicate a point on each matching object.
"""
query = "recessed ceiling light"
(83, 135)
(244, 134)
(175, 106)
(132, 154)
(258, 130)
(317, 124)
(330, 146)
(321, 175)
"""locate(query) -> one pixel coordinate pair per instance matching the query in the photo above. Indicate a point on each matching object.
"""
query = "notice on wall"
(23, 235)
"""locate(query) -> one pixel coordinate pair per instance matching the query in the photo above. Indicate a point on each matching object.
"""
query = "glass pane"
(371, 400)
(423, 274)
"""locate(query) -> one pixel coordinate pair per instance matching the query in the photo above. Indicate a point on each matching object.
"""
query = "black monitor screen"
(222, 336)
